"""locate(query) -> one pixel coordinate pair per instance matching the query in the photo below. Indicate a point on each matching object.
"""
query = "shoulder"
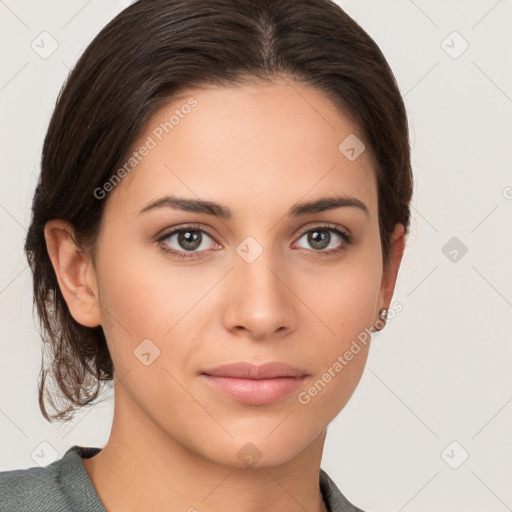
(34, 488)
(43, 489)
(333, 497)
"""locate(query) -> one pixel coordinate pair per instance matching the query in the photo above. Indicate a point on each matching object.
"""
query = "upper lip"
(252, 371)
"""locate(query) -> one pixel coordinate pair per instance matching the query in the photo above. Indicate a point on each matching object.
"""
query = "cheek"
(346, 304)
(145, 296)
(340, 358)
(346, 299)
(143, 292)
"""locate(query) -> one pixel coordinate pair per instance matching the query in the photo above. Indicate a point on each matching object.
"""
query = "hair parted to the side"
(151, 51)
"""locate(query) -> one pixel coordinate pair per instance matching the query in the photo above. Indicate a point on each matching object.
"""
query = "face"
(258, 277)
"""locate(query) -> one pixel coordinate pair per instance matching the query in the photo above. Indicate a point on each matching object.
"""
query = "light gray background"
(440, 371)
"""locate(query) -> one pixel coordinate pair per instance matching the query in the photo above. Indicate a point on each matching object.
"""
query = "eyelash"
(347, 239)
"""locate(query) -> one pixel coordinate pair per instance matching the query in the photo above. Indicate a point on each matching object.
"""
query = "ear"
(389, 275)
(75, 273)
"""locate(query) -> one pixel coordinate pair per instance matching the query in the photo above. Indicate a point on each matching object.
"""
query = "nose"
(260, 303)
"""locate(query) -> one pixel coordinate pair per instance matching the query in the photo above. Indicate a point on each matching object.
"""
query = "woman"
(218, 227)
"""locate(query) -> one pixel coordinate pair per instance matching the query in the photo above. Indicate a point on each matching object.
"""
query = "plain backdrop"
(429, 426)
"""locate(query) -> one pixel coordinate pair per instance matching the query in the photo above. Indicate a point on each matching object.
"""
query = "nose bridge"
(255, 266)
(260, 302)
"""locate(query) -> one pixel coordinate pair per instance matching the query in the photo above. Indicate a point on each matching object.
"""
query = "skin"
(257, 150)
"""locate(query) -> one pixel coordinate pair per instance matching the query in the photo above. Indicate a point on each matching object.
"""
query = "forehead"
(247, 146)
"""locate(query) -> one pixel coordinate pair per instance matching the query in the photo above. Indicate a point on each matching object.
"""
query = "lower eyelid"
(337, 231)
(345, 241)
(343, 235)
(177, 231)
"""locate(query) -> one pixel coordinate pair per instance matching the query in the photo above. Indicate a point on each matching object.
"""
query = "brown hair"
(147, 54)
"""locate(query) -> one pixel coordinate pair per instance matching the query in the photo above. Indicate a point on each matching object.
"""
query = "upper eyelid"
(327, 226)
(193, 227)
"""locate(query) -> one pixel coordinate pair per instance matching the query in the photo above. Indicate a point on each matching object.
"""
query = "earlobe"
(74, 271)
(389, 276)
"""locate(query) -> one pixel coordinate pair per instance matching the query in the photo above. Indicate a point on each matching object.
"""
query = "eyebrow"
(210, 208)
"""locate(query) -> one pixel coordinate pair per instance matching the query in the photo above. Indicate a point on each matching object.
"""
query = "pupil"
(189, 239)
(319, 239)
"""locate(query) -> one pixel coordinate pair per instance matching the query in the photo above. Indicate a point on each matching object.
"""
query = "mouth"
(255, 385)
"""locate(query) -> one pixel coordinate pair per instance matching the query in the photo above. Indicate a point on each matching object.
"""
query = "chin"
(257, 449)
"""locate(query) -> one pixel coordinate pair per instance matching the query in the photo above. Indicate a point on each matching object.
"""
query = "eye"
(325, 239)
(190, 241)
(186, 239)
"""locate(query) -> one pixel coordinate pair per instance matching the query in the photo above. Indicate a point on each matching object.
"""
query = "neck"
(144, 467)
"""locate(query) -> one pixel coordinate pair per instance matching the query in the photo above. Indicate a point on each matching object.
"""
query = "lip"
(255, 384)
(246, 370)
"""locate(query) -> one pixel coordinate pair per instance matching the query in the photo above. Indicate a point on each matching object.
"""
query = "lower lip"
(255, 392)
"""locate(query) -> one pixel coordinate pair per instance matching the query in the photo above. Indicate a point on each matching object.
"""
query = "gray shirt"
(65, 486)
